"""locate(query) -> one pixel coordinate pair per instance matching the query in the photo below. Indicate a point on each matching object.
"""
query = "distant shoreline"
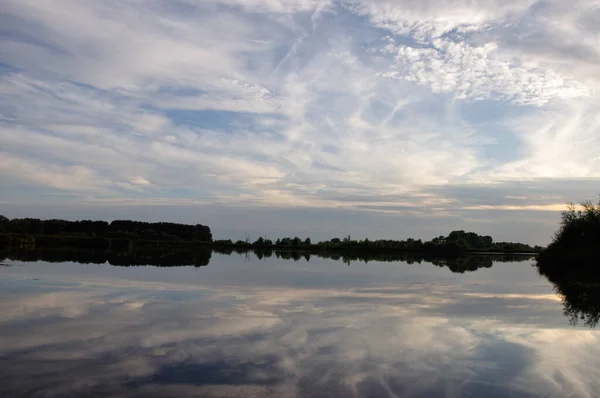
(123, 235)
(124, 244)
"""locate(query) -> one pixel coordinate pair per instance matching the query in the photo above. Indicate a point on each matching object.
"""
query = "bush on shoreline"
(575, 249)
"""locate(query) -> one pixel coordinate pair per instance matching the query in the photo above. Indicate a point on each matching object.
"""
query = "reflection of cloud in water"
(410, 341)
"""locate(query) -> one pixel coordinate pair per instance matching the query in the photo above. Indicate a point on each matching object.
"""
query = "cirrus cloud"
(297, 103)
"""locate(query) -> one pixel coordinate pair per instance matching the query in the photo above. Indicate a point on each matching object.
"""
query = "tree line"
(159, 231)
(118, 235)
(456, 242)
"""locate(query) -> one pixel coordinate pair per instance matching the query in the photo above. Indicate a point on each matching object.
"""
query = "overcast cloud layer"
(381, 118)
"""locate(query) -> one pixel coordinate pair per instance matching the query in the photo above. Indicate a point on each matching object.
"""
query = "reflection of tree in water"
(154, 257)
(457, 264)
(581, 303)
(201, 257)
(465, 264)
(578, 288)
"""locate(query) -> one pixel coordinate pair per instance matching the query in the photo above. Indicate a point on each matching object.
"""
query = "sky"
(406, 118)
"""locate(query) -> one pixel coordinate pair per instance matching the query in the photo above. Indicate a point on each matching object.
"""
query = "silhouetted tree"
(260, 242)
(4, 224)
(572, 263)
(116, 229)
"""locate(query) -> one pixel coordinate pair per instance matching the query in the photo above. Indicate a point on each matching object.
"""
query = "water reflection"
(100, 339)
(201, 257)
(391, 330)
(155, 257)
(578, 284)
(579, 287)
(456, 263)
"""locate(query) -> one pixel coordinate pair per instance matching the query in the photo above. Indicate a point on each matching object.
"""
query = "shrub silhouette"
(572, 263)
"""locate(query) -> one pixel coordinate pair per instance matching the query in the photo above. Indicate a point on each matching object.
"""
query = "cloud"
(559, 142)
(477, 73)
(296, 103)
(426, 20)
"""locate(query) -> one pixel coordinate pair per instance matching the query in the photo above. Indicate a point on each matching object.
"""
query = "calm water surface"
(282, 328)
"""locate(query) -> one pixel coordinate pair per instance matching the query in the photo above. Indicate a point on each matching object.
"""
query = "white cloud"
(296, 103)
(560, 142)
(426, 20)
(479, 73)
(77, 178)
